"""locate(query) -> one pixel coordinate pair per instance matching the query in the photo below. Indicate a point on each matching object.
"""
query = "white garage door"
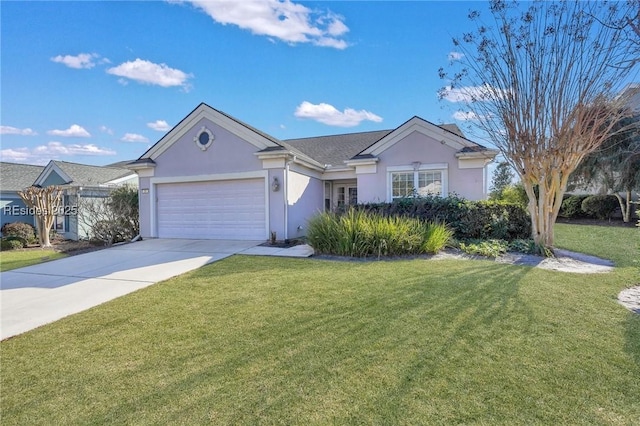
(230, 210)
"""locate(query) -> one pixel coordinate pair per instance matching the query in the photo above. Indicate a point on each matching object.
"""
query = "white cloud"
(53, 150)
(465, 116)
(455, 56)
(159, 125)
(58, 148)
(74, 131)
(471, 93)
(280, 19)
(80, 61)
(328, 114)
(105, 129)
(133, 137)
(147, 72)
(8, 130)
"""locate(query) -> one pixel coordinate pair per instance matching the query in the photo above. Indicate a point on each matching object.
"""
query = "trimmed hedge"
(571, 207)
(467, 219)
(11, 244)
(600, 206)
(19, 229)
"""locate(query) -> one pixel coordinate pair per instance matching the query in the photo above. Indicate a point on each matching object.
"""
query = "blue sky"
(100, 82)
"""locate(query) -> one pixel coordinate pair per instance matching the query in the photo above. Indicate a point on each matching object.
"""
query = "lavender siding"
(306, 199)
(417, 147)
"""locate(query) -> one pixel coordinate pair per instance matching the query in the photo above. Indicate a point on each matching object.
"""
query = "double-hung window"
(417, 182)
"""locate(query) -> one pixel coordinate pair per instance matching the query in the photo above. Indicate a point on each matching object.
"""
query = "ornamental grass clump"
(357, 233)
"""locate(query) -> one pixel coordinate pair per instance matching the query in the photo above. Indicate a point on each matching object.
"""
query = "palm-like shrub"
(358, 233)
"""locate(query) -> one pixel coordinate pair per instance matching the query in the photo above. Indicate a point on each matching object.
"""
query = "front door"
(347, 195)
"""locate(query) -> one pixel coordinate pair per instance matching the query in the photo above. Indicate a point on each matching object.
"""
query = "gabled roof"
(336, 149)
(320, 151)
(16, 177)
(450, 136)
(82, 174)
(250, 134)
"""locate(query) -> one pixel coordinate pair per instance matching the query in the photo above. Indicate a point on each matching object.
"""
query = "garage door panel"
(212, 210)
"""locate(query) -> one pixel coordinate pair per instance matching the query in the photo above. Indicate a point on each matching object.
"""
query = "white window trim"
(441, 167)
(347, 187)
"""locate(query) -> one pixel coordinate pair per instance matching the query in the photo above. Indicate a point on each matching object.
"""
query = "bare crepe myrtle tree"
(539, 83)
(110, 216)
(45, 203)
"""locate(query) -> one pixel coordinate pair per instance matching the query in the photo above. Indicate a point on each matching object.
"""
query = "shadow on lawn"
(361, 342)
(632, 337)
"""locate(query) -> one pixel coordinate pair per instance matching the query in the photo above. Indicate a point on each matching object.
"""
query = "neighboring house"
(215, 177)
(632, 94)
(78, 181)
(13, 178)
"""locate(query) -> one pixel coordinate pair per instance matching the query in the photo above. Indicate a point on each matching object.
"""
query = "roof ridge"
(338, 134)
(88, 165)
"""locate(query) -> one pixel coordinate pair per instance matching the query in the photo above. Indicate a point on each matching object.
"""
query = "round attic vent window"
(204, 138)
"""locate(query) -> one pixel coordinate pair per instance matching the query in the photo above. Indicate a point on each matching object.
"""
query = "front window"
(419, 183)
(58, 224)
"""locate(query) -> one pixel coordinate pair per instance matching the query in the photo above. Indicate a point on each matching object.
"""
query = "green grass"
(252, 340)
(20, 258)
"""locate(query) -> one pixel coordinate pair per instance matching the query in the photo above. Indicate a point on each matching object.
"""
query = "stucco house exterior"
(78, 181)
(215, 177)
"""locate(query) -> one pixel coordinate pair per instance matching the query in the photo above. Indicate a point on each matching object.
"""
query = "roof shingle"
(336, 149)
(86, 175)
(16, 177)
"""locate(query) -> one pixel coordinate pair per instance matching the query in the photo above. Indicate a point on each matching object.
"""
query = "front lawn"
(253, 340)
(20, 258)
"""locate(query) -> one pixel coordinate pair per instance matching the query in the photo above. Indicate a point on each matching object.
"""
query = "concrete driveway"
(40, 294)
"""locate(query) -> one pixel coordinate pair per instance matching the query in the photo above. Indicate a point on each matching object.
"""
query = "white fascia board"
(206, 112)
(289, 156)
(362, 162)
(339, 174)
(121, 179)
(304, 170)
(489, 154)
(51, 167)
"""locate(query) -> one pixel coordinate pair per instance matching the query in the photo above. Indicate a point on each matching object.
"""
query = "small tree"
(110, 218)
(539, 85)
(502, 177)
(45, 203)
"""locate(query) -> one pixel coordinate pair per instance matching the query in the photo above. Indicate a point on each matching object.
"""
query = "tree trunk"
(543, 208)
(625, 207)
(43, 233)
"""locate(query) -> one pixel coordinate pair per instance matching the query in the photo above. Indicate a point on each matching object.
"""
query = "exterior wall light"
(275, 185)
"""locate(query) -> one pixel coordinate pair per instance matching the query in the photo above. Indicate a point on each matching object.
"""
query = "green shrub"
(11, 244)
(600, 206)
(358, 233)
(19, 229)
(467, 219)
(489, 248)
(22, 241)
(515, 194)
(571, 207)
(523, 246)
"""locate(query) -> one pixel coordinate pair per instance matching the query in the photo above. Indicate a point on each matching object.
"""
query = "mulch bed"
(70, 248)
